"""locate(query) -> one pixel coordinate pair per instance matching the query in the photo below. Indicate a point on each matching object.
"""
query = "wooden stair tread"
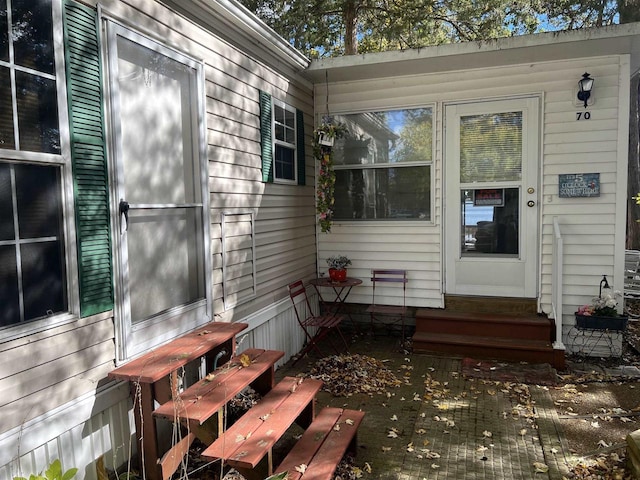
(160, 362)
(506, 318)
(322, 445)
(250, 438)
(477, 341)
(204, 398)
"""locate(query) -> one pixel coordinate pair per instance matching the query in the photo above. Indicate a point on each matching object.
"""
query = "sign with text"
(493, 197)
(579, 185)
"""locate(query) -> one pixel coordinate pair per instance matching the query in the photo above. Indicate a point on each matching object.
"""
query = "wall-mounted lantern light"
(604, 284)
(585, 84)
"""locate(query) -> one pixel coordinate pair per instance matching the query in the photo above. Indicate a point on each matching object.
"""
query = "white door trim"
(493, 275)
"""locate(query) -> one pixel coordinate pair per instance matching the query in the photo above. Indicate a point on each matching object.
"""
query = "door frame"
(530, 238)
(180, 319)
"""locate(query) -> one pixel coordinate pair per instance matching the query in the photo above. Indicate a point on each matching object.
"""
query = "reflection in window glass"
(32, 259)
(490, 229)
(4, 32)
(32, 34)
(400, 193)
(37, 113)
(383, 166)
(285, 163)
(491, 147)
(6, 111)
(396, 136)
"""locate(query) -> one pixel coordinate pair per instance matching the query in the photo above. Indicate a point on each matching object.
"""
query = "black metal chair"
(392, 313)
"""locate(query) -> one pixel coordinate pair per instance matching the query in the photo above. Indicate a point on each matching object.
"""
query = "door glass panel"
(490, 221)
(157, 126)
(491, 147)
(164, 260)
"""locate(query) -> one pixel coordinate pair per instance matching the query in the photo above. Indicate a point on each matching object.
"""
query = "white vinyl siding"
(591, 227)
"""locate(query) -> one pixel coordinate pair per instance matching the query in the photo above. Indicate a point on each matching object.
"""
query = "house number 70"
(583, 116)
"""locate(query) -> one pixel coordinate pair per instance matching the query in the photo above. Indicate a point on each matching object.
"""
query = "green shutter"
(91, 190)
(300, 145)
(266, 138)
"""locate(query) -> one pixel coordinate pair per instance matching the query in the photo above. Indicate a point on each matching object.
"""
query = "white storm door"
(160, 192)
(491, 208)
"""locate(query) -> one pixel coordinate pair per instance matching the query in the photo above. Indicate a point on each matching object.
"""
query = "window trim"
(436, 117)
(293, 146)
(63, 160)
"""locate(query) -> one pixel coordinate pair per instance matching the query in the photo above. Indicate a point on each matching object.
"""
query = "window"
(284, 129)
(34, 167)
(32, 270)
(282, 139)
(383, 166)
(28, 100)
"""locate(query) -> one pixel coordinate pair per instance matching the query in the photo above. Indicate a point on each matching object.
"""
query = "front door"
(160, 192)
(491, 207)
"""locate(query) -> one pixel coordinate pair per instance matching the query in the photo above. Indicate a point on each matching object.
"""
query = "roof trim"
(455, 56)
(252, 34)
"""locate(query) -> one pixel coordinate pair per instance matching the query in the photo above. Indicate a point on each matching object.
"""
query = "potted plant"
(323, 138)
(338, 267)
(602, 313)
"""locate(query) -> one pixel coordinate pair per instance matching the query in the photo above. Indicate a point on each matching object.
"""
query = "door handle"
(123, 208)
(530, 203)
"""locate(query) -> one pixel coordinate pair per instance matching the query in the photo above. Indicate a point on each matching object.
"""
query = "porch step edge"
(475, 341)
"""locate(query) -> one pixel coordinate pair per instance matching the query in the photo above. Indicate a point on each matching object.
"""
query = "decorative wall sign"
(579, 185)
(493, 197)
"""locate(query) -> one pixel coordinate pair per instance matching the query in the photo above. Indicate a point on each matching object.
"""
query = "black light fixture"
(585, 84)
(604, 284)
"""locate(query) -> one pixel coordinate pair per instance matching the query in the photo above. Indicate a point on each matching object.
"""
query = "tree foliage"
(343, 27)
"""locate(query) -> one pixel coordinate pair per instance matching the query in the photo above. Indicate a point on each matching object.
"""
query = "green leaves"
(54, 472)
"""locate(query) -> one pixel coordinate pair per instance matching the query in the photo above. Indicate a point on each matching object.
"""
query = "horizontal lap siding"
(568, 146)
(46, 370)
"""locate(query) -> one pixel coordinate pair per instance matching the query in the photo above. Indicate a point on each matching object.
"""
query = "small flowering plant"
(339, 262)
(603, 306)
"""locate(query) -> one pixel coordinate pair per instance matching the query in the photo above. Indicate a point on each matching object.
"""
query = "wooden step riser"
(489, 352)
(473, 327)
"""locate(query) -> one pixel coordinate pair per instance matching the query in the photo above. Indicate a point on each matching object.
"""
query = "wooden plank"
(163, 360)
(323, 444)
(248, 440)
(206, 397)
(171, 460)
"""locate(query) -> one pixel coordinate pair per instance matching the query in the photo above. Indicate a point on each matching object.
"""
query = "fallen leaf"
(210, 377)
(394, 418)
(554, 450)
(245, 360)
(523, 432)
(540, 467)
(434, 466)
(301, 468)
(386, 449)
(487, 434)
(348, 421)
(367, 467)
(392, 434)
(336, 427)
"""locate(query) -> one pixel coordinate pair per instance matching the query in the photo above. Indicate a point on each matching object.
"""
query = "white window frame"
(426, 163)
(276, 142)
(63, 161)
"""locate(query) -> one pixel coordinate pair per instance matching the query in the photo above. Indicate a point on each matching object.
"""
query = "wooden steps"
(508, 336)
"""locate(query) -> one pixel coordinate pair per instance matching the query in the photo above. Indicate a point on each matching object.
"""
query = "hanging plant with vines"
(323, 137)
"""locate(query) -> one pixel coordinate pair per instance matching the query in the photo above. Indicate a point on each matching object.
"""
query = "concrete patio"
(452, 420)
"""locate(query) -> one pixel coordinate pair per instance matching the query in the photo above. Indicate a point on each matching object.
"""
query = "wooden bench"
(247, 445)
(317, 454)
(153, 378)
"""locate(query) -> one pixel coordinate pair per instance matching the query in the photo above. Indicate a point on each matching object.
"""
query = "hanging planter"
(324, 137)
(602, 313)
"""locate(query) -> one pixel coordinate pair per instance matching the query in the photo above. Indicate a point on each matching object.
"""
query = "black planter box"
(594, 322)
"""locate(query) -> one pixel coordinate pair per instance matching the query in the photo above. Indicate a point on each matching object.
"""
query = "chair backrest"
(389, 277)
(297, 289)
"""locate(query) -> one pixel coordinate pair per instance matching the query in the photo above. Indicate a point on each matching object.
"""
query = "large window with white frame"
(33, 247)
(383, 166)
(284, 141)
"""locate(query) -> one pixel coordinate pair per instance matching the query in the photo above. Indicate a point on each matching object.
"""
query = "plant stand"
(597, 336)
